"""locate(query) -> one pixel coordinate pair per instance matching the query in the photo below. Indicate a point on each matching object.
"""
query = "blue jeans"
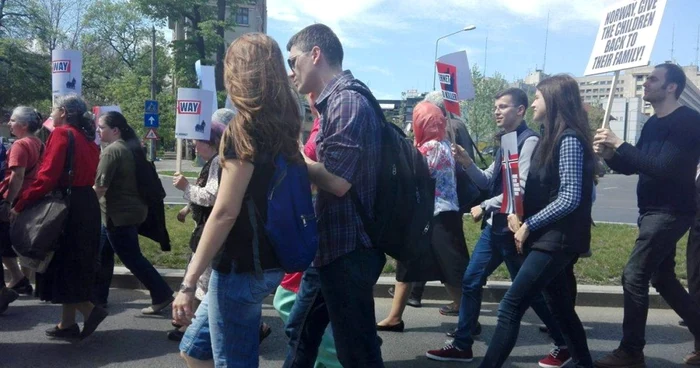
(340, 293)
(541, 271)
(226, 326)
(124, 241)
(490, 251)
(653, 259)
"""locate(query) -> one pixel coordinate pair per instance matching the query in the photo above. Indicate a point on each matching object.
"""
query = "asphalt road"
(127, 339)
(616, 198)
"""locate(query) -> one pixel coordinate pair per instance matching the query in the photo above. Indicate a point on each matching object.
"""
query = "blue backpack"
(290, 226)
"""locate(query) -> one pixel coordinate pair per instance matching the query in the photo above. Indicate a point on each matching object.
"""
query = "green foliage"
(479, 111)
(24, 75)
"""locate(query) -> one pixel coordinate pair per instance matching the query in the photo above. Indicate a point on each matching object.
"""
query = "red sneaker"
(556, 358)
(451, 353)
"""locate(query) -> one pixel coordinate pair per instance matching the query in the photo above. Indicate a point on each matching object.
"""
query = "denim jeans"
(653, 259)
(124, 241)
(490, 251)
(541, 271)
(341, 293)
(226, 326)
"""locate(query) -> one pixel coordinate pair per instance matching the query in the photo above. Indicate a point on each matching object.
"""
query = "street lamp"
(467, 28)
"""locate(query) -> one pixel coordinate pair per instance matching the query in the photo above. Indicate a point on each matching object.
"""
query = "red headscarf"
(428, 123)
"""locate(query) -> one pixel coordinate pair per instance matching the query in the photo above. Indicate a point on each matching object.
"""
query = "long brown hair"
(268, 112)
(564, 110)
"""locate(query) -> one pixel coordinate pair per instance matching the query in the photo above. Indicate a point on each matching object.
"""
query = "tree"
(479, 111)
(206, 25)
(25, 77)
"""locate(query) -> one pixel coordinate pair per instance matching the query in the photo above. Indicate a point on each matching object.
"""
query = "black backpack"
(403, 209)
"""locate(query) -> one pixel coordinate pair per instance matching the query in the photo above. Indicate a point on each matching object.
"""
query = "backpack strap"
(363, 90)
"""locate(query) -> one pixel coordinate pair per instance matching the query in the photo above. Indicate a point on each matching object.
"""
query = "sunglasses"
(292, 61)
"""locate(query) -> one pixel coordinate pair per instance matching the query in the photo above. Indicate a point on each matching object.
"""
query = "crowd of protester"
(328, 309)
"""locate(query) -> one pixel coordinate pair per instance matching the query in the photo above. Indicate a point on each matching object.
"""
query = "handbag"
(36, 230)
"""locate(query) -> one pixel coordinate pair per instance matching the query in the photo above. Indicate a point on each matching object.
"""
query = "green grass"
(188, 174)
(611, 245)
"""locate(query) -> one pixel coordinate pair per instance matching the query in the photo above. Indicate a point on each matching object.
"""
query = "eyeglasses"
(501, 107)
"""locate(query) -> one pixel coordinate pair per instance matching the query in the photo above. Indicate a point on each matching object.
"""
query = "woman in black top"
(267, 124)
(557, 225)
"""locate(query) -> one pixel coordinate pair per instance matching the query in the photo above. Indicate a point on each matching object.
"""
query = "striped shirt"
(570, 178)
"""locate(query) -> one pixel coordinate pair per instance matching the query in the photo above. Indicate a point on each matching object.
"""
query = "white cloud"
(375, 69)
(361, 23)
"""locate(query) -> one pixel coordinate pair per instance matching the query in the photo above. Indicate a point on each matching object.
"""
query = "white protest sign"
(465, 86)
(510, 171)
(626, 36)
(66, 72)
(194, 110)
(206, 80)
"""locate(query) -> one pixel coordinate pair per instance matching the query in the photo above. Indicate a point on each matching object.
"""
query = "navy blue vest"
(499, 223)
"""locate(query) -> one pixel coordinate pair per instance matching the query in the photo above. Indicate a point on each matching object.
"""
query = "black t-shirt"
(238, 247)
(666, 158)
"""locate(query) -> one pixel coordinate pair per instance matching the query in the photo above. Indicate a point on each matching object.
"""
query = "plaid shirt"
(348, 145)
(570, 188)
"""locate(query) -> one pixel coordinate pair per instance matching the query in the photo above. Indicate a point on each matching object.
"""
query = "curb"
(588, 295)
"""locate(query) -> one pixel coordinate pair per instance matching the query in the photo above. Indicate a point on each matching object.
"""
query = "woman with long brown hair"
(557, 227)
(225, 327)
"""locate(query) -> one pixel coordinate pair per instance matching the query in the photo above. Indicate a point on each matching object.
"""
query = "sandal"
(265, 331)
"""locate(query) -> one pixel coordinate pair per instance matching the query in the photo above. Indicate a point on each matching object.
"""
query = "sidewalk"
(588, 295)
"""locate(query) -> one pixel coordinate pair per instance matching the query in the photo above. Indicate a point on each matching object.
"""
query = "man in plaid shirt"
(338, 286)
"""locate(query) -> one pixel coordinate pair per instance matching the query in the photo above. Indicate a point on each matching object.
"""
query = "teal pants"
(327, 358)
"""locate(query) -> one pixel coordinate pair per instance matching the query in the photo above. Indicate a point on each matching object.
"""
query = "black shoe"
(23, 287)
(72, 332)
(544, 329)
(175, 335)
(475, 332)
(682, 323)
(265, 331)
(7, 296)
(413, 302)
(96, 317)
(395, 328)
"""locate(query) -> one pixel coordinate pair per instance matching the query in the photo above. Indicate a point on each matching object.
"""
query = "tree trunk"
(198, 38)
(221, 47)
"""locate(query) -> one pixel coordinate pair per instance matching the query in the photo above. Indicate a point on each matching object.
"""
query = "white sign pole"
(178, 152)
(611, 97)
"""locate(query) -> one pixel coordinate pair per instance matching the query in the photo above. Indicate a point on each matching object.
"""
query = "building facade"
(629, 118)
(595, 89)
(251, 16)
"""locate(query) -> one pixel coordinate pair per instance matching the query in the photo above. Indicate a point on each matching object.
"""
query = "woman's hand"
(477, 213)
(180, 182)
(461, 155)
(183, 308)
(520, 237)
(182, 214)
(514, 222)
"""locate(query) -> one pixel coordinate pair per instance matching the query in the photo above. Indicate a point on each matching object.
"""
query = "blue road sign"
(151, 107)
(151, 120)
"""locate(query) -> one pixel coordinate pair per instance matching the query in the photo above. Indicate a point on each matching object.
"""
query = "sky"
(390, 44)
